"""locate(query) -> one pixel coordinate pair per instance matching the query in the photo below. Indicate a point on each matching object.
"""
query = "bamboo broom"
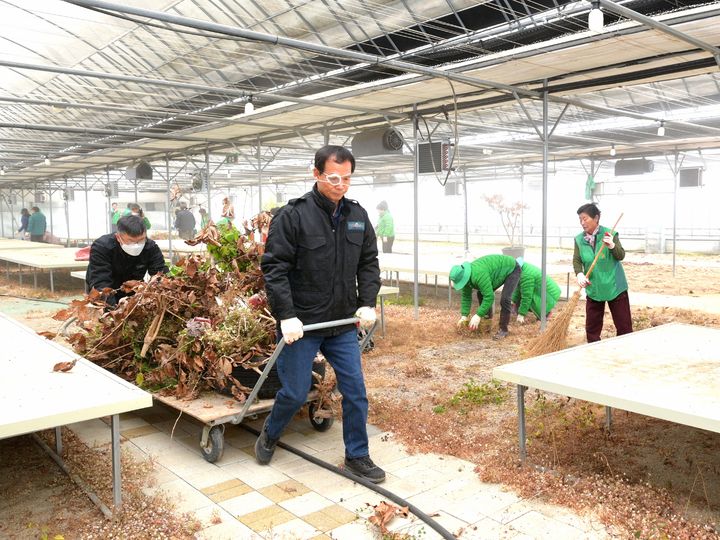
(555, 337)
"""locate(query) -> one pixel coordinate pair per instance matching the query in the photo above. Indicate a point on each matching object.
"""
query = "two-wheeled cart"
(214, 410)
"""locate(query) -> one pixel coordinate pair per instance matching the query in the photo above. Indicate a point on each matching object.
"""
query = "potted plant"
(509, 217)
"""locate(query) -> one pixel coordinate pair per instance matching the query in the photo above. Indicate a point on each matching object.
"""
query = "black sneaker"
(264, 446)
(501, 334)
(365, 468)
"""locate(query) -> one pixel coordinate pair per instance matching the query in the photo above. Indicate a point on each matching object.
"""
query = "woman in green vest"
(608, 283)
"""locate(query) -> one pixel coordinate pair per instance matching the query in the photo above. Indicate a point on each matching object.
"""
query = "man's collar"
(325, 203)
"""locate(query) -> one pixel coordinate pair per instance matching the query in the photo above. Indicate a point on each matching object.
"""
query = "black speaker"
(142, 171)
(691, 177)
(377, 142)
(628, 167)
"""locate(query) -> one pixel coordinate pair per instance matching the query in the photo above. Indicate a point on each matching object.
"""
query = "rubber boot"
(504, 320)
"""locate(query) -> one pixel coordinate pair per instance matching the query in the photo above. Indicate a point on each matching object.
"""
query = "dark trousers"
(387, 243)
(509, 286)
(37, 237)
(595, 312)
(295, 372)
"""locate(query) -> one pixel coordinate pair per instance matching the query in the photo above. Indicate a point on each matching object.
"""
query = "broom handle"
(604, 245)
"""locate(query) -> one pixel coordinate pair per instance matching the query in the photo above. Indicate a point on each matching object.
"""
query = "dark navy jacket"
(317, 270)
(110, 266)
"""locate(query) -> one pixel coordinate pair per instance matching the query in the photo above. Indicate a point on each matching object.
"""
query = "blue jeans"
(295, 372)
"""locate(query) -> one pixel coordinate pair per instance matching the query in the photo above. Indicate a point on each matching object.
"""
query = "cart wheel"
(320, 424)
(215, 445)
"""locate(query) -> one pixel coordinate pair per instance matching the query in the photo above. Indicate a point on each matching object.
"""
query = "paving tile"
(539, 526)
(230, 493)
(208, 477)
(212, 515)
(266, 518)
(255, 475)
(283, 491)
(245, 504)
(228, 531)
(131, 422)
(330, 517)
(357, 530)
(295, 529)
(185, 497)
(222, 486)
(306, 504)
(132, 433)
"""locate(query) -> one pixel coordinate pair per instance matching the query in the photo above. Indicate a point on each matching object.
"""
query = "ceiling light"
(249, 107)
(595, 18)
(612, 150)
(661, 129)
(47, 160)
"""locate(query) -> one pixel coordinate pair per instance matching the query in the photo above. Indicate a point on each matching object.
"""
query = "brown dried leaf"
(64, 366)
(384, 512)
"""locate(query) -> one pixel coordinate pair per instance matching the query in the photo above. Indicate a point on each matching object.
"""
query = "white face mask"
(133, 249)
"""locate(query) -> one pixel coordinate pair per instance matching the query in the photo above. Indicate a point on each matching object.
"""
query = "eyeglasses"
(335, 179)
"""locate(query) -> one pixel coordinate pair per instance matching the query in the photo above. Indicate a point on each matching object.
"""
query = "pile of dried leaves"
(185, 331)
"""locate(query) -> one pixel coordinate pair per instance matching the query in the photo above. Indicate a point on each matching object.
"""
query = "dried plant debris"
(384, 513)
(186, 331)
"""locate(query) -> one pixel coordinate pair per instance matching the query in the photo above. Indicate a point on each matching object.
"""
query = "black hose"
(382, 491)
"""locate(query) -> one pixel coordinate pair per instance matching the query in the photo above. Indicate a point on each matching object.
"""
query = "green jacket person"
(385, 228)
(528, 292)
(37, 225)
(485, 275)
(608, 282)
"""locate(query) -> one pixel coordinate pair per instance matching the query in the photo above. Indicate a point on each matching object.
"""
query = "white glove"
(474, 322)
(521, 319)
(582, 280)
(292, 329)
(463, 320)
(608, 240)
(367, 316)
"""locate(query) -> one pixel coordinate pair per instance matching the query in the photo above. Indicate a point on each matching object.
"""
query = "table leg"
(436, 285)
(521, 421)
(608, 418)
(382, 315)
(117, 491)
(20, 274)
(34, 278)
(58, 441)
(52, 283)
(7, 269)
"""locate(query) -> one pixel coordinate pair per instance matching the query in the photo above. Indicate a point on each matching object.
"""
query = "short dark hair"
(24, 211)
(35, 209)
(131, 225)
(590, 209)
(382, 205)
(340, 154)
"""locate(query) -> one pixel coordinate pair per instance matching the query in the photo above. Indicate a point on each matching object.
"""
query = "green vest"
(608, 277)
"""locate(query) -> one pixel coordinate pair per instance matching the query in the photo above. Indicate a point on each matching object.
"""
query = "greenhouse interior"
(512, 204)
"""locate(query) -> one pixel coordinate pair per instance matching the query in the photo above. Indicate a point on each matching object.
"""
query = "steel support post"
(259, 170)
(521, 421)
(116, 472)
(169, 210)
(87, 211)
(416, 237)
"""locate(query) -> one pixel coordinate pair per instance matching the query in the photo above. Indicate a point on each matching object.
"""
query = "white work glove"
(521, 319)
(608, 240)
(367, 316)
(582, 280)
(474, 322)
(463, 320)
(292, 329)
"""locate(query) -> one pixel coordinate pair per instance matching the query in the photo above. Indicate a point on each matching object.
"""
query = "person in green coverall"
(485, 275)
(527, 294)
(608, 277)
(385, 229)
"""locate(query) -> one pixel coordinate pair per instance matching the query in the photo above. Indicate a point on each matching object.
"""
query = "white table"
(42, 399)
(47, 259)
(382, 293)
(670, 372)
(179, 246)
(7, 243)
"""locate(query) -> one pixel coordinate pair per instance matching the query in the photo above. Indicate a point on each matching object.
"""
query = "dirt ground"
(431, 385)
